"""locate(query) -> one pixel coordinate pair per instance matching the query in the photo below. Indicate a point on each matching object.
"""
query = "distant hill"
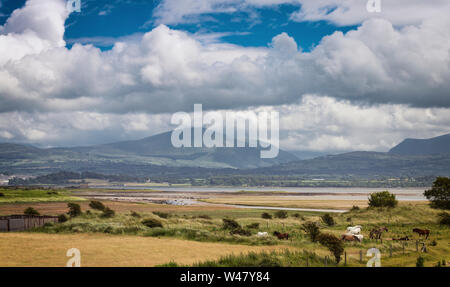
(437, 145)
(155, 150)
(364, 164)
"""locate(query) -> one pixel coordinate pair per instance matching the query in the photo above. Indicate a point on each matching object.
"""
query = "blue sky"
(101, 21)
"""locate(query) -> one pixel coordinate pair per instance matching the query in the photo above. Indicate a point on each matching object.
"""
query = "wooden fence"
(23, 222)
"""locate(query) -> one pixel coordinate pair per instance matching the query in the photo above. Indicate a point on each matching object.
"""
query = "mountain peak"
(436, 145)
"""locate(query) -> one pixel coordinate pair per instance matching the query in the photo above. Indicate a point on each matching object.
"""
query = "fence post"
(345, 258)
(325, 259)
(307, 261)
(403, 247)
(360, 256)
(417, 246)
(390, 250)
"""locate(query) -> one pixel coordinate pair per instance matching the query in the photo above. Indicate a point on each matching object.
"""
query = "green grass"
(22, 195)
(285, 258)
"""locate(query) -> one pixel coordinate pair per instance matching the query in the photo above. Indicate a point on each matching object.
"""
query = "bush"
(204, 216)
(281, 214)
(334, 244)
(230, 224)
(108, 212)
(152, 223)
(74, 209)
(2, 194)
(311, 229)
(266, 215)
(354, 208)
(62, 218)
(253, 225)
(31, 211)
(97, 205)
(135, 214)
(161, 214)
(439, 194)
(328, 219)
(382, 199)
(420, 261)
(240, 231)
(444, 218)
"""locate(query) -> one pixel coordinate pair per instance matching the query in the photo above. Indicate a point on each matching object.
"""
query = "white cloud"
(49, 93)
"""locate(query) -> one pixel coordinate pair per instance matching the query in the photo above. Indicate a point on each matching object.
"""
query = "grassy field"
(203, 225)
(35, 249)
(287, 201)
(36, 195)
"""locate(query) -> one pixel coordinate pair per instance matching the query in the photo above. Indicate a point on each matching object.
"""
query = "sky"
(341, 78)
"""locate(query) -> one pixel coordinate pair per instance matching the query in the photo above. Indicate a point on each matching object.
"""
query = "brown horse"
(377, 232)
(349, 237)
(281, 235)
(421, 232)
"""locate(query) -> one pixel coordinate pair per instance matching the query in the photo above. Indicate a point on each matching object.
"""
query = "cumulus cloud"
(339, 12)
(47, 90)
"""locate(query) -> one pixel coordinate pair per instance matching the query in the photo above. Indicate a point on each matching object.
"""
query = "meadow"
(190, 226)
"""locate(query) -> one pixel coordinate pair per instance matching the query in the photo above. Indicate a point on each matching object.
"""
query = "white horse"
(262, 234)
(359, 236)
(354, 229)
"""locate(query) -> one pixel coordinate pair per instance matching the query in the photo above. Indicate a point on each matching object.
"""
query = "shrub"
(439, 194)
(94, 204)
(420, 261)
(230, 224)
(108, 212)
(382, 199)
(266, 215)
(204, 216)
(2, 194)
(31, 211)
(135, 214)
(444, 218)
(328, 219)
(74, 209)
(62, 218)
(433, 243)
(253, 225)
(161, 214)
(152, 223)
(354, 208)
(240, 231)
(281, 214)
(334, 244)
(311, 229)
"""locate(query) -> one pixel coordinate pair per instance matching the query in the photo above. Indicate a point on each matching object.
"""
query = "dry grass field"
(38, 249)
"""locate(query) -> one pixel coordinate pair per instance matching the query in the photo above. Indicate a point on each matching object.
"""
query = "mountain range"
(155, 155)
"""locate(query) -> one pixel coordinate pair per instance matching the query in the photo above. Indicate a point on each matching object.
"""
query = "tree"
(333, 244)
(31, 211)
(311, 229)
(439, 194)
(74, 209)
(382, 199)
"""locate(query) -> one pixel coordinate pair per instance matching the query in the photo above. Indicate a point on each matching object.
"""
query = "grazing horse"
(359, 236)
(349, 237)
(281, 235)
(377, 232)
(421, 232)
(354, 229)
